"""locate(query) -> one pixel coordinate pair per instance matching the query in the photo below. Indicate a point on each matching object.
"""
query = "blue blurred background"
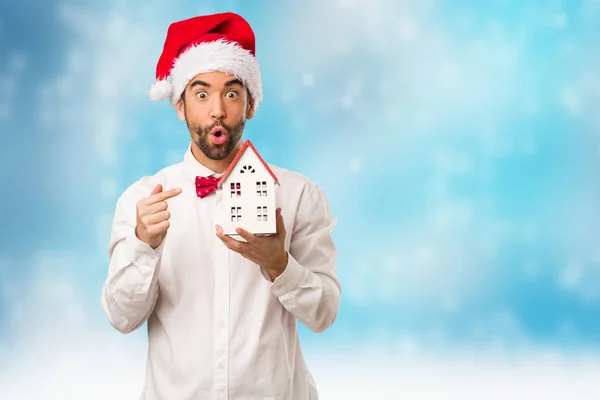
(458, 143)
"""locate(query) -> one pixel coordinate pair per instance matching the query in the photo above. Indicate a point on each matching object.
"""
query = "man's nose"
(217, 109)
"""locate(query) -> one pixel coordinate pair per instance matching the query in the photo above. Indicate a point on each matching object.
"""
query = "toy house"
(248, 187)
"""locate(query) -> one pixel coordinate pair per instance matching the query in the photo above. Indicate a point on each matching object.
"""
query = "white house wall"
(249, 199)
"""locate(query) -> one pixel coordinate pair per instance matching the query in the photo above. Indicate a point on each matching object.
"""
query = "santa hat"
(219, 42)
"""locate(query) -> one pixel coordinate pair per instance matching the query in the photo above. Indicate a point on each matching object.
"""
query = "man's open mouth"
(218, 135)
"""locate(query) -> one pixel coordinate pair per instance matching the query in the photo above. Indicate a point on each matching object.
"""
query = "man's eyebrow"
(233, 82)
(198, 82)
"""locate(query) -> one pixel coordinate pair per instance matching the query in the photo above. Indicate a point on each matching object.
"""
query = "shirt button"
(222, 324)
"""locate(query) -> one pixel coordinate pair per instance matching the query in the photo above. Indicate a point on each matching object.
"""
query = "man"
(221, 311)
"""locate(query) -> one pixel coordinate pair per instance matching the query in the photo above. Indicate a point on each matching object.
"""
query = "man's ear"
(250, 111)
(180, 107)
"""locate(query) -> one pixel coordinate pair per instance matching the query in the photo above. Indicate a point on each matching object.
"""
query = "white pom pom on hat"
(160, 90)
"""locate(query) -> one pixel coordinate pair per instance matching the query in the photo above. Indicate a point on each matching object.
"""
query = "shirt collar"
(193, 168)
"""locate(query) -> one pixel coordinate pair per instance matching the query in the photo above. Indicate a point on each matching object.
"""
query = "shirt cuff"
(141, 253)
(289, 279)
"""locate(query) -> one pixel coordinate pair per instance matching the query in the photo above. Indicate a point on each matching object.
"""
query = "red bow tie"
(205, 185)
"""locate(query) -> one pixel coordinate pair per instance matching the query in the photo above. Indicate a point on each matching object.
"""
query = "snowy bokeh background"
(458, 144)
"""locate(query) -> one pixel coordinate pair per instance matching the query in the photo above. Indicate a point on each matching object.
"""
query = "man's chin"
(216, 151)
(217, 156)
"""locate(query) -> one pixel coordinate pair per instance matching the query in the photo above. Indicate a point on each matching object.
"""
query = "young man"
(222, 313)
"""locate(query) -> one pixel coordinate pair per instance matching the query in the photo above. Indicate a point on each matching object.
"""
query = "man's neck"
(219, 166)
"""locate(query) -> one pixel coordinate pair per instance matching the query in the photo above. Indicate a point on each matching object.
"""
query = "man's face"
(215, 106)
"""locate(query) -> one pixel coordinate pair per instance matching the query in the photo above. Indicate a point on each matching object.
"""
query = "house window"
(261, 213)
(247, 168)
(235, 189)
(236, 214)
(261, 188)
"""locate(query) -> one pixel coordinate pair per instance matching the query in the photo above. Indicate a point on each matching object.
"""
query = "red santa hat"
(219, 42)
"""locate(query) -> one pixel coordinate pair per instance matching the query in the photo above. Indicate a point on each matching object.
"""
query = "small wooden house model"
(248, 194)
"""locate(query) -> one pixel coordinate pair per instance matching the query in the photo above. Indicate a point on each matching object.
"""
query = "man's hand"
(153, 216)
(266, 251)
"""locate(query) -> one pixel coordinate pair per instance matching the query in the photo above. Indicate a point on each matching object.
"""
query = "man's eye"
(232, 94)
(201, 95)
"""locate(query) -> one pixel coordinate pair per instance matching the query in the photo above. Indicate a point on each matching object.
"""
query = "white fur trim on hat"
(216, 56)
(160, 90)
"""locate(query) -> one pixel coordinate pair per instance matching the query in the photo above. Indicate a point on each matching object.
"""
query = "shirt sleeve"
(309, 287)
(130, 290)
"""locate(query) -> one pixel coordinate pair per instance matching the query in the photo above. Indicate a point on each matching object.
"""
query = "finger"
(249, 237)
(161, 227)
(154, 219)
(157, 189)
(154, 208)
(279, 225)
(162, 196)
(220, 234)
(230, 242)
(236, 245)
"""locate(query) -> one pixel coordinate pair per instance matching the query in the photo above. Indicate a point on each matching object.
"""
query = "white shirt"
(218, 328)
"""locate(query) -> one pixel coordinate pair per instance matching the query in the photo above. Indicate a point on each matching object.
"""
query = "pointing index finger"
(162, 196)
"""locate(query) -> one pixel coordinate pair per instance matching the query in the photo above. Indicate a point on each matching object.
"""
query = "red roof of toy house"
(238, 156)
